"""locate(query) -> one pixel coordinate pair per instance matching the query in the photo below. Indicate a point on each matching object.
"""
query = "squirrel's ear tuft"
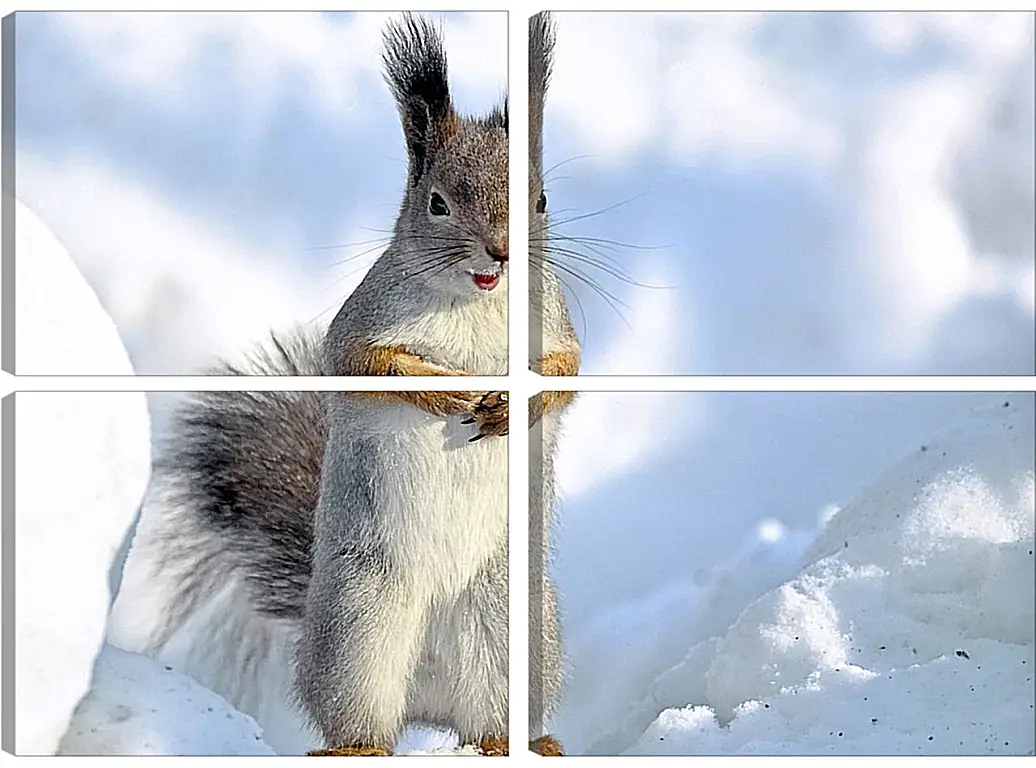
(541, 61)
(415, 69)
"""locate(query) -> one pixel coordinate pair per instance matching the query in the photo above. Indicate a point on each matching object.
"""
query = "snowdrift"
(138, 706)
(82, 462)
(60, 326)
(908, 630)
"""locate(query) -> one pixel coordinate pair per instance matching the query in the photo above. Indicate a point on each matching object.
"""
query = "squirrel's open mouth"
(486, 281)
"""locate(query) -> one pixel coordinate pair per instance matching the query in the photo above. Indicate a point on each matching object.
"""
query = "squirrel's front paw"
(491, 416)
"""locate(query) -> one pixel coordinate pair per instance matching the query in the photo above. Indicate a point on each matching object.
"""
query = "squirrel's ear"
(541, 60)
(415, 69)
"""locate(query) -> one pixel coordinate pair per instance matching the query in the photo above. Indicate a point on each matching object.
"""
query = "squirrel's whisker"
(547, 177)
(607, 242)
(587, 260)
(592, 214)
(354, 257)
(617, 272)
(536, 301)
(595, 251)
(385, 240)
(611, 299)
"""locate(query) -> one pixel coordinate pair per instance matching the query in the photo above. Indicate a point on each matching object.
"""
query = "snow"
(60, 325)
(907, 629)
(68, 530)
(140, 707)
(83, 463)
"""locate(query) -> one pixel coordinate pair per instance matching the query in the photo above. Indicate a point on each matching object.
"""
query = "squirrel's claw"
(491, 415)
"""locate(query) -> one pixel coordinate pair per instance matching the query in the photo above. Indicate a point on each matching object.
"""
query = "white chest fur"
(466, 335)
(442, 500)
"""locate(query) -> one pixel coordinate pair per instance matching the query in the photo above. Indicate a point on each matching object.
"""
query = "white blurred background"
(218, 175)
(807, 193)
(834, 192)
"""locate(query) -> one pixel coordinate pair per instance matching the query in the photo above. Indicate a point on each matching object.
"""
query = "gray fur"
(292, 494)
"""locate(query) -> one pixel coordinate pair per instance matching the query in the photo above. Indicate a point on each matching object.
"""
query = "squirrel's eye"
(437, 206)
(541, 204)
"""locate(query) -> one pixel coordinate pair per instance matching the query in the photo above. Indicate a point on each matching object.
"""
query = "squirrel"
(335, 563)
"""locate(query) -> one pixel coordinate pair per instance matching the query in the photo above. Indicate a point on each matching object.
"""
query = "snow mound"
(627, 642)
(140, 706)
(137, 706)
(909, 631)
(60, 326)
(82, 465)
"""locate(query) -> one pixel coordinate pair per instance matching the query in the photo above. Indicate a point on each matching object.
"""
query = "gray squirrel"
(335, 564)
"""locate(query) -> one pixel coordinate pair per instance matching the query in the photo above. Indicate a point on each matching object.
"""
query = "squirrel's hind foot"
(494, 747)
(547, 746)
(350, 752)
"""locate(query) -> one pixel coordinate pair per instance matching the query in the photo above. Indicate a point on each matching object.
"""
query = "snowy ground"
(140, 707)
(905, 627)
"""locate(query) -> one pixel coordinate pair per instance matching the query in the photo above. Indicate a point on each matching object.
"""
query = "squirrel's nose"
(497, 253)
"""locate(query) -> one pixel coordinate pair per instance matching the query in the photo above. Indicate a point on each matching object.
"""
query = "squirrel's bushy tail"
(216, 577)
